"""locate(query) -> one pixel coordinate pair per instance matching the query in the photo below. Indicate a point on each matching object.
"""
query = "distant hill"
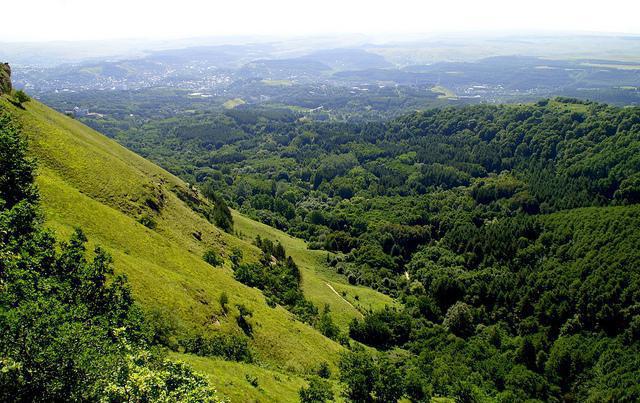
(349, 59)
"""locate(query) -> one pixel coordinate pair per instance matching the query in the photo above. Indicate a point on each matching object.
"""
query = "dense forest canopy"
(332, 182)
(509, 234)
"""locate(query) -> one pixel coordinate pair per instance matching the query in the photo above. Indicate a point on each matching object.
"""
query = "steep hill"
(89, 181)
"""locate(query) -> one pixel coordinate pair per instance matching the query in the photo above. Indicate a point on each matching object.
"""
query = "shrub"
(318, 391)
(326, 326)
(224, 300)
(211, 257)
(236, 256)
(253, 381)
(21, 97)
(227, 346)
(241, 320)
(323, 370)
(359, 373)
(148, 221)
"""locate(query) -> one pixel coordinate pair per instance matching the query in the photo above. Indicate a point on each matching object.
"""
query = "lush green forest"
(508, 233)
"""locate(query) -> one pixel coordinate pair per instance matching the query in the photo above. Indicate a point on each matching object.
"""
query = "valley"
(445, 218)
(90, 182)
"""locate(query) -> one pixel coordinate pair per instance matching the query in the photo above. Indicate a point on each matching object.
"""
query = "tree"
(224, 300)
(222, 215)
(146, 377)
(21, 97)
(389, 387)
(323, 370)
(236, 256)
(16, 170)
(210, 256)
(318, 391)
(459, 319)
(359, 374)
(242, 321)
(326, 326)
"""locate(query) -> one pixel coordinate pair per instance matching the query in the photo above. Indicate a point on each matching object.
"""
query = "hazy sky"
(42, 20)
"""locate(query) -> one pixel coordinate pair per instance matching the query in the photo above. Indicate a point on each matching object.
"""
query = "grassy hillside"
(233, 378)
(319, 283)
(87, 180)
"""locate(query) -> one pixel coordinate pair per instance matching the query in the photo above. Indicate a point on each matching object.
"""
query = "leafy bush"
(148, 221)
(221, 214)
(227, 346)
(326, 326)
(253, 381)
(242, 319)
(383, 329)
(318, 391)
(21, 97)
(224, 300)
(210, 256)
(323, 370)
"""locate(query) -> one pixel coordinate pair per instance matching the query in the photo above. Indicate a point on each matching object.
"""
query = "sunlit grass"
(89, 181)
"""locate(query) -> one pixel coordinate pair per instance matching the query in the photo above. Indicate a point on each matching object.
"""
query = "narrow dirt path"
(342, 298)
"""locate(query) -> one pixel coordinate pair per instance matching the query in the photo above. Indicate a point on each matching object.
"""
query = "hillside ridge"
(88, 181)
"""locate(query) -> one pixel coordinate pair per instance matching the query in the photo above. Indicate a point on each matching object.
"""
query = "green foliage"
(21, 97)
(326, 326)
(242, 319)
(318, 391)
(382, 329)
(148, 221)
(253, 381)
(370, 380)
(221, 214)
(224, 301)
(69, 327)
(278, 277)
(236, 256)
(323, 370)
(359, 374)
(629, 190)
(227, 346)
(16, 171)
(210, 256)
(389, 386)
(459, 319)
(513, 227)
(143, 377)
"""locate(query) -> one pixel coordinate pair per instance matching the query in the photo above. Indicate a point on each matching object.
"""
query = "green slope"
(87, 180)
(319, 283)
(233, 378)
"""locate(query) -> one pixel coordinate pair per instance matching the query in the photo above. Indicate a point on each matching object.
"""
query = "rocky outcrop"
(5, 78)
